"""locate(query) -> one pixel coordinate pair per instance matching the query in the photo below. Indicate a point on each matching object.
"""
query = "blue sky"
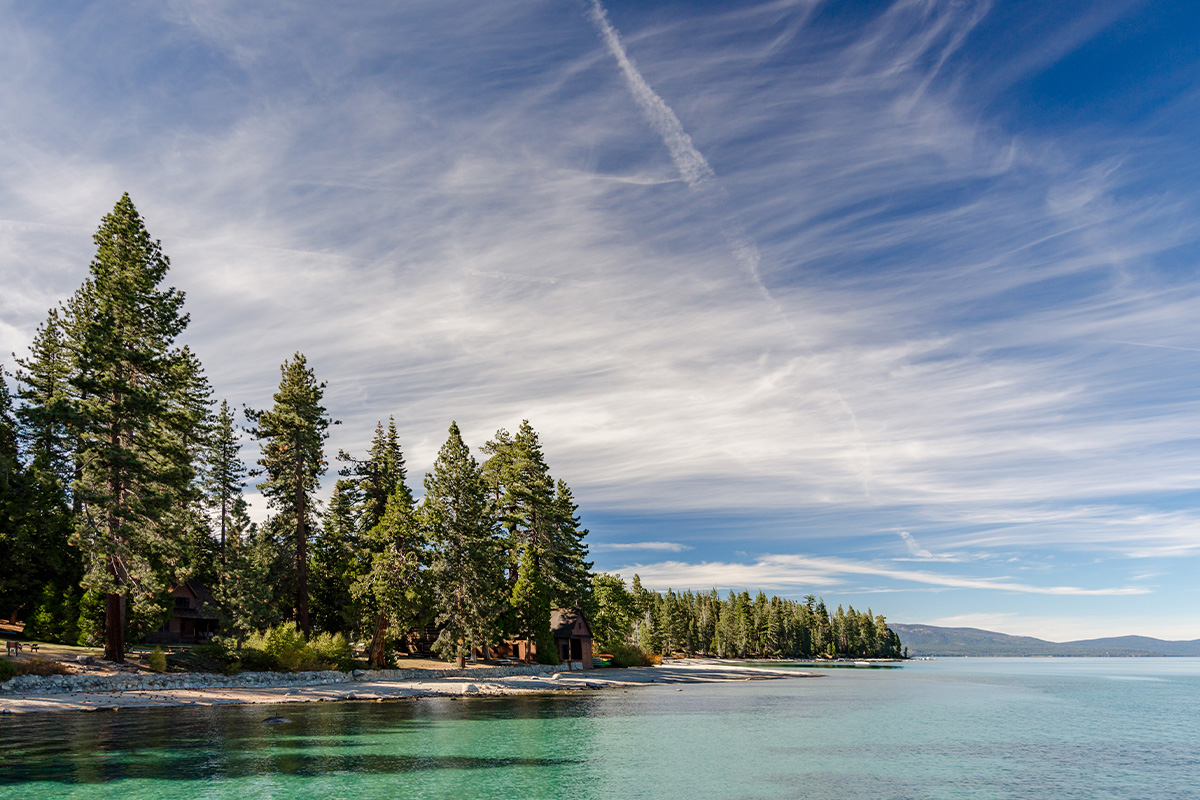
(895, 303)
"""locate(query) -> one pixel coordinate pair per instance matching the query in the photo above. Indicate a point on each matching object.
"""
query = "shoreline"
(277, 688)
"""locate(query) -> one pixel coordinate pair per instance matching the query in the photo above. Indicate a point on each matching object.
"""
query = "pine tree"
(224, 474)
(546, 565)
(467, 576)
(292, 435)
(103, 389)
(333, 566)
(390, 591)
(385, 580)
(253, 569)
(47, 410)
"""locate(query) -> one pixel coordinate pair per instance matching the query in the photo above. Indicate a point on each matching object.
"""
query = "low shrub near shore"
(626, 655)
(281, 649)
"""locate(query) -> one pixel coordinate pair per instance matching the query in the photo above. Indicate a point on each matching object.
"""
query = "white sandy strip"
(384, 690)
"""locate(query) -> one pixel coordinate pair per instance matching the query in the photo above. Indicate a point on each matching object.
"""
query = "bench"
(12, 648)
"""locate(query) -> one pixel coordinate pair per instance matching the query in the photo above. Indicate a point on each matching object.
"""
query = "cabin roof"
(205, 606)
(562, 623)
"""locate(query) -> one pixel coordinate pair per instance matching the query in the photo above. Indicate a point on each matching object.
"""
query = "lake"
(956, 728)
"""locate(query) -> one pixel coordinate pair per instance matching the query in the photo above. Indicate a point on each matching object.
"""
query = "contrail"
(1157, 346)
(692, 166)
(699, 176)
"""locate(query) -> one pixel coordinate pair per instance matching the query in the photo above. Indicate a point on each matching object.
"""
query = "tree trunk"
(378, 657)
(114, 628)
(302, 560)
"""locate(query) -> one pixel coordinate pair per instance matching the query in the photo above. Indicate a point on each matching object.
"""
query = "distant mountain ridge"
(930, 640)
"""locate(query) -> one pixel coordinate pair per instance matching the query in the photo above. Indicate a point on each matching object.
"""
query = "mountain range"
(930, 640)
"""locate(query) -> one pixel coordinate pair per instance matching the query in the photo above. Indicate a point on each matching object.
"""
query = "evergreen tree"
(47, 411)
(192, 426)
(384, 579)
(546, 566)
(610, 611)
(292, 436)
(104, 393)
(466, 570)
(390, 591)
(42, 571)
(254, 571)
(334, 565)
(224, 474)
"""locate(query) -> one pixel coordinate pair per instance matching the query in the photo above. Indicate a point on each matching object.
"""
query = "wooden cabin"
(572, 642)
(193, 619)
(572, 637)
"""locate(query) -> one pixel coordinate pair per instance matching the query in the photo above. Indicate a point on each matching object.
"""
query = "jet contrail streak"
(699, 176)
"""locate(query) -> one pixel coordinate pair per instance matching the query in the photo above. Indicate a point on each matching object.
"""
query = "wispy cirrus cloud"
(796, 572)
(510, 212)
(669, 547)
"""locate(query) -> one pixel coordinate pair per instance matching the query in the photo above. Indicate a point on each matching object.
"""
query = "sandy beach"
(369, 688)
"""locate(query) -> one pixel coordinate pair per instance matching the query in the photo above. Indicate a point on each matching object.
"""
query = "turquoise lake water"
(958, 728)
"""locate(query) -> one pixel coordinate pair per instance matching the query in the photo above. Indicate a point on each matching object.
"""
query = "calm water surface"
(960, 728)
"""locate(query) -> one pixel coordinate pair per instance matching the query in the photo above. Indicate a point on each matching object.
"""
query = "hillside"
(930, 640)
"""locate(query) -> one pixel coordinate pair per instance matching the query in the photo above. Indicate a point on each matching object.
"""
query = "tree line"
(737, 626)
(120, 476)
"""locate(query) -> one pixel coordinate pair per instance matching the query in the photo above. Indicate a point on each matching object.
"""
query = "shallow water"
(960, 728)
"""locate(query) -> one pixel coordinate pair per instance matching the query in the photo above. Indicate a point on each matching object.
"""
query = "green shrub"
(285, 650)
(626, 655)
(256, 660)
(7, 670)
(334, 648)
(157, 660)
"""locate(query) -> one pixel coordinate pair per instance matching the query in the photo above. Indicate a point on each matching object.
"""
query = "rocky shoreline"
(28, 693)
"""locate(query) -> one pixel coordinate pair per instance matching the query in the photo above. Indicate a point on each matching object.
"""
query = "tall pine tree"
(383, 578)
(103, 392)
(546, 566)
(99, 393)
(467, 569)
(224, 474)
(292, 436)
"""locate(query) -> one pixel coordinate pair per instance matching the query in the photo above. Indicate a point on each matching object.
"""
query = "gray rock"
(86, 660)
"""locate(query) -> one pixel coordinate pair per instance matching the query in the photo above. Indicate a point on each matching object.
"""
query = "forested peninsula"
(121, 477)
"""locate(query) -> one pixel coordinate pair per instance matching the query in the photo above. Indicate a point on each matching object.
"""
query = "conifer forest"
(121, 475)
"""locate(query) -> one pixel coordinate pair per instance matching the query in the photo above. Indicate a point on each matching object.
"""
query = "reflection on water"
(1005, 728)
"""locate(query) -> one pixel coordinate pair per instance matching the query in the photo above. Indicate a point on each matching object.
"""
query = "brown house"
(572, 641)
(193, 620)
(572, 636)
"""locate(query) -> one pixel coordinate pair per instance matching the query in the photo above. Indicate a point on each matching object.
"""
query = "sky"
(891, 303)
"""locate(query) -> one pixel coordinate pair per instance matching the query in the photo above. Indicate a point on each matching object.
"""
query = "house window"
(183, 602)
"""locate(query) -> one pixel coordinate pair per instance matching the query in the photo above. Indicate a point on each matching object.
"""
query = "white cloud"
(488, 232)
(796, 572)
(670, 547)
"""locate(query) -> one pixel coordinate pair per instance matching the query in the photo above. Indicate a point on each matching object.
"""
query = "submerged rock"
(276, 720)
